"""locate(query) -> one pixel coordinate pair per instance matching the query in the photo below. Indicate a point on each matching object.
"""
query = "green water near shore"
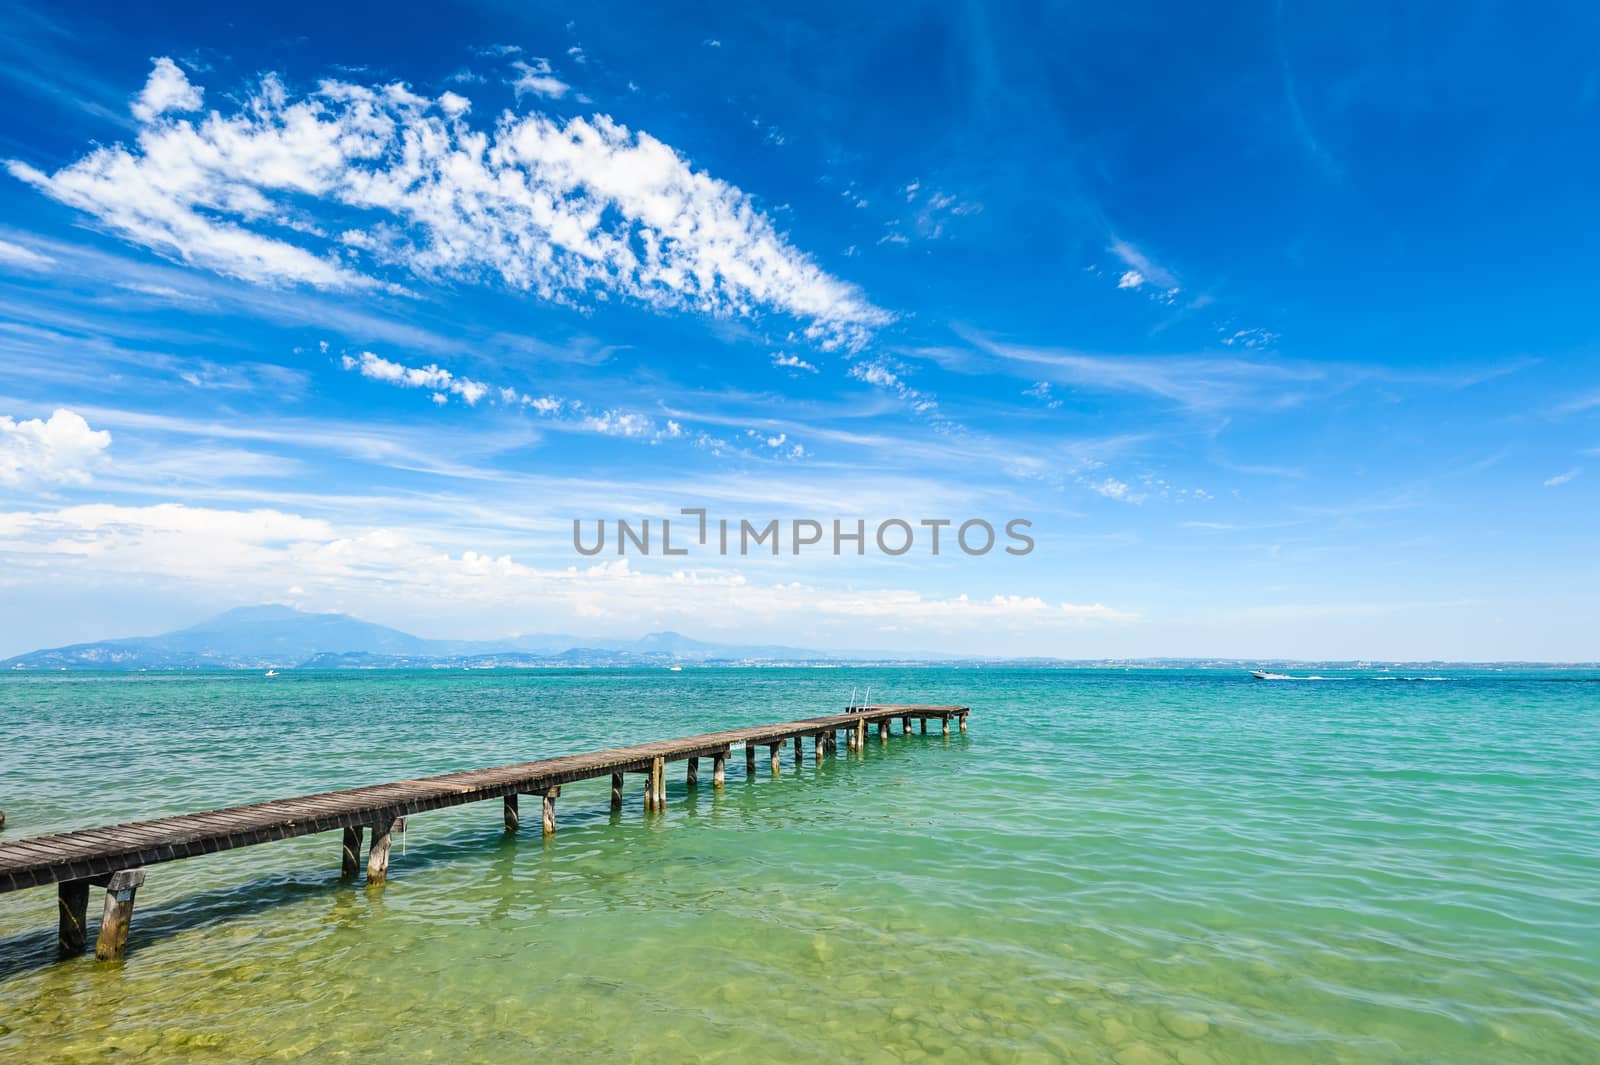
(1142, 867)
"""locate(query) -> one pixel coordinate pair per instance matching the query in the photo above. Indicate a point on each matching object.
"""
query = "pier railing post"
(513, 816)
(72, 899)
(378, 856)
(113, 941)
(350, 853)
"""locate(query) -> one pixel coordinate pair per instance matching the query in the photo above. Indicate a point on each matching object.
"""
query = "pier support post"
(861, 735)
(550, 796)
(905, 726)
(72, 899)
(691, 776)
(719, 770)
(378, 856)
(924, 726)
(513, 817)
(749, 760)
(946, 721)
(963, 722)
(113, 941)
(616, 791)
(658, 783)
(820, 745)
(799, 751)
(883, 732)
(774, 749)
(350, 853)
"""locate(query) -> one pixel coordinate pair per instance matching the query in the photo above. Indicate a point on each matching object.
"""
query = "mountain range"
(281, 637)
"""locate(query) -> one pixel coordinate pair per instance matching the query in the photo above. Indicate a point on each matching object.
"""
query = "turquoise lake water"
(1132, 867)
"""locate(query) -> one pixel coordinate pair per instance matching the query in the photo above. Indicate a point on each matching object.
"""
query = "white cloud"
(257, 553)
(570, 211)
(1130, 279)
(1041, 391)
(26, 258)
(792, 362)
(890, 378)
(1112, 488)
(1197, 382)
(168, 89)
(536, 79)
(1562, 478)
(59, 451)
(1142, 267)
(441, 381)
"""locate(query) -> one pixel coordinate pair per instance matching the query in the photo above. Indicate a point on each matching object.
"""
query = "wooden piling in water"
(120, 890)
(72, 899)
(616, 791)
(350, 853)
(378, 856)
(719, 770)
(963, 722)
(946, 723)
(658, 783)
(776, 750)
(513, 817)
(924, 726)
(749, 760)
(691, 776)
(550, 796)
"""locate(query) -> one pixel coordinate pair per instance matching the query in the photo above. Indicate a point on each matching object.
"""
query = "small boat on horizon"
(675, 669)
(271, 673)
(1261, 674)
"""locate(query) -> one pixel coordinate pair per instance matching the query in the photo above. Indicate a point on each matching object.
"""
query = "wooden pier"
(116, 857)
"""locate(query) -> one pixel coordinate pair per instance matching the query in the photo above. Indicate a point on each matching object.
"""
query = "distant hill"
(281, 637)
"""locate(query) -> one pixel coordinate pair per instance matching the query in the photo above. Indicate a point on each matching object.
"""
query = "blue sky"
(1276, 322)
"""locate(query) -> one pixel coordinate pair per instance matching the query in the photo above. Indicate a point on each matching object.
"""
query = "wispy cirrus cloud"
(567, 210)
(25, 258)
(1563, 478)
(1198, 382)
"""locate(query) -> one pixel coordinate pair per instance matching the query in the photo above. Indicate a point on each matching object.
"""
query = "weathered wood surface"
(98, 852)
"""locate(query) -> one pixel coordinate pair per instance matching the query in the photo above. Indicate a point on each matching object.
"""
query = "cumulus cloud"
(574, 211)
(167, 89)
(59, 451)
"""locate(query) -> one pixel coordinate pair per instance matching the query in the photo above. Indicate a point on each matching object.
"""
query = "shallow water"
(1144, 867)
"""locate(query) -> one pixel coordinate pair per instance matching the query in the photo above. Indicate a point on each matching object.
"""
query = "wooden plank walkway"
(115, 856)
